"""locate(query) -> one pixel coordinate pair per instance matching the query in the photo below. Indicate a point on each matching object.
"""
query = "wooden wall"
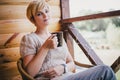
(13, 25)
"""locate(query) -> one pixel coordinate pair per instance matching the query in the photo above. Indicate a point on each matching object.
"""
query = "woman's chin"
(47, 22)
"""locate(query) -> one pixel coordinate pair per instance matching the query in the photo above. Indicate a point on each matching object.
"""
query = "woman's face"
(42, 18)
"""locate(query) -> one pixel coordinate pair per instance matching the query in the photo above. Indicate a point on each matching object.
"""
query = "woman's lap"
(101, 72)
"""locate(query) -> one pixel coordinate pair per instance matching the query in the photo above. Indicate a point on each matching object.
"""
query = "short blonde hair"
(34, 7)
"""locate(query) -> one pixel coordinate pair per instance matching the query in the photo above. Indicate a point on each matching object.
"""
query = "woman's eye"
(46, 11)
(39, 14)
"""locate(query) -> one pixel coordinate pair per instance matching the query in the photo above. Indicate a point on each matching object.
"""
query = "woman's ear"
(32, 20)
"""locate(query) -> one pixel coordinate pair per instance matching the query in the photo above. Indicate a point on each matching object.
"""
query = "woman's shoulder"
(28, 37)
(29, 34)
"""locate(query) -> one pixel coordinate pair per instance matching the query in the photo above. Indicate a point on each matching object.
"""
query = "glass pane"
(86, 7)
(103, 35)
(79, 55)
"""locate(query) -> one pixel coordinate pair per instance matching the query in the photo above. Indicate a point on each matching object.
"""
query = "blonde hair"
(34, 7)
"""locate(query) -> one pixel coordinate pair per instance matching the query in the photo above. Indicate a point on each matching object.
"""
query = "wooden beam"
(116, 65)
(65, 13)
(91, 55)
(69, 42)
(64, 4)
(83, 65)
(93, 16)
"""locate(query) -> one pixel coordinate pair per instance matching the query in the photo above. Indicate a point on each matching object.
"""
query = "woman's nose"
(45, 15)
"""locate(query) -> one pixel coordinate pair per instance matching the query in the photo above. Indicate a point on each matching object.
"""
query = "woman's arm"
(58, 70)
(33, 63)
(70, 63)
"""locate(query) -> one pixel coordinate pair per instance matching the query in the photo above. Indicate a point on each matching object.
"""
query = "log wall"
(13, 25)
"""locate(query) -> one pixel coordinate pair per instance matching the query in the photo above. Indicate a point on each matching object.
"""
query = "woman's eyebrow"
(39, 11)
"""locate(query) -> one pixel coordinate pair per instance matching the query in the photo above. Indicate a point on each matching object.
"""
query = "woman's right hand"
(51, 42)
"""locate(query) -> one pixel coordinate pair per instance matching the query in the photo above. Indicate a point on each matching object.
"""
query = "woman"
(43, 60)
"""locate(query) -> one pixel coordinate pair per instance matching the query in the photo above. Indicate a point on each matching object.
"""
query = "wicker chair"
(24, 74)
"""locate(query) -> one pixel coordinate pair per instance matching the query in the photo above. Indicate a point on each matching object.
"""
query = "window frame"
(70, 34)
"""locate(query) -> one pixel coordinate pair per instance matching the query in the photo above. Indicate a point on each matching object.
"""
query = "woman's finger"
(52, 36)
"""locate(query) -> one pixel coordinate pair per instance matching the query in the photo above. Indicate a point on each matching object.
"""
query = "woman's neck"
(44, 33)
(43, 30)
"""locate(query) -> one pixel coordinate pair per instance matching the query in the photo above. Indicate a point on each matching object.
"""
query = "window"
(102, 34)
(87, 7)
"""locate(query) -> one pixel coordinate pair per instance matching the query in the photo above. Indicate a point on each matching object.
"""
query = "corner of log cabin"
(13, 26)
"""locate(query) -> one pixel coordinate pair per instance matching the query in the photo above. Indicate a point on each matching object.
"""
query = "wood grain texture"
(9, 55)
(83, 44)
(8, 71)
(24, 2)
(10, 1)
(12, 12)
(116, 65)
(53, 2)
(55, 12)
(19, 12)
(13, 43)
(16, 26)
(93, 16)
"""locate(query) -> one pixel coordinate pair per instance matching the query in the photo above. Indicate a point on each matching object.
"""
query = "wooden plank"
(13, 43)
(9, 71)
(10, 1)
(12, 12)
(91, 55)
(4, 37)
(54, 27)
(16, 26)
(53, 2)
(69, 42)
(116, 65)
(13, 3)
(54, 20)
(24, 2)
(19, 12)
(55, 12)
(65, 13)
(11, 38)
(83, 65)
(9, 55)
(93, 16)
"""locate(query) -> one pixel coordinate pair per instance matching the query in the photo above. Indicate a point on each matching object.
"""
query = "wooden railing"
(71, 32)
(86, 48)
(93, 16)
(91, 55)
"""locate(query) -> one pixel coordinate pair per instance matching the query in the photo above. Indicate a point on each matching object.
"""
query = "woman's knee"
(105, 67)
(108, 72)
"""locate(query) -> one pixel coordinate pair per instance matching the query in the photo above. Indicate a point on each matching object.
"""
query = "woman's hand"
(51, 42)
(53, 72)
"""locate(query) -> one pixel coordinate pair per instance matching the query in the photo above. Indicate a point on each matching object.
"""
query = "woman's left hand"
(53, 72)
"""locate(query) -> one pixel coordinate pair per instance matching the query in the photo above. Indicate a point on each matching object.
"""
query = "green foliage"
(116, 21)
(96, 24)
(92, 25)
